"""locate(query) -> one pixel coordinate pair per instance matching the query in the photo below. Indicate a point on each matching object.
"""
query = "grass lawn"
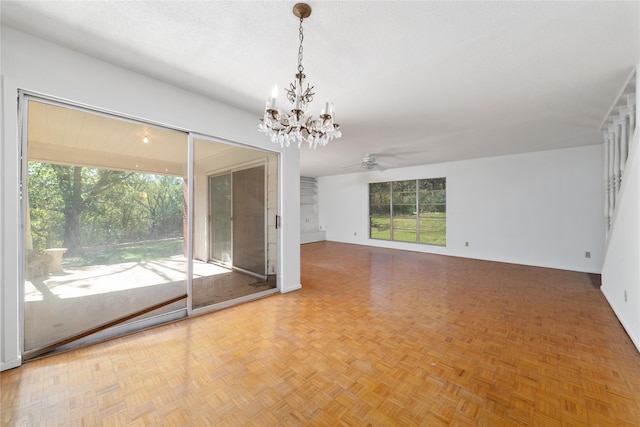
(433, 229)
(135, 253)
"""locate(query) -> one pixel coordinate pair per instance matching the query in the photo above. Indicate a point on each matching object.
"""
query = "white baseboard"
(313, 236)
(10, 364)
(292, 288)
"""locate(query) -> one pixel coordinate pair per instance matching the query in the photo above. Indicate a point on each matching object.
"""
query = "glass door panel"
(238, 187)
(104, 224)
(249, 220)
(220, 218)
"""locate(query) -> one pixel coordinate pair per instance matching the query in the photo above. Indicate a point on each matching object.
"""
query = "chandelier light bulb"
(274, 96)
(325, 110)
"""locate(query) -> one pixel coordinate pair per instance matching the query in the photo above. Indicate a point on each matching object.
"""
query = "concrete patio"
(65, 303)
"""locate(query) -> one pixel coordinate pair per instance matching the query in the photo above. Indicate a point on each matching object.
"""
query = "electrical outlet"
(466, 243)
(587, 254)
(625, 295)
(355, 234)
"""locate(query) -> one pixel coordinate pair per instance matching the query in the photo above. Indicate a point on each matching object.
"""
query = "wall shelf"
(309, 221)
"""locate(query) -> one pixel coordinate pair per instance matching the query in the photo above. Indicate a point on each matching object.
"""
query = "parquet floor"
(375, 337)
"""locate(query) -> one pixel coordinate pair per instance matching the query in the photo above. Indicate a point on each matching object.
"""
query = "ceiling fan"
(388, 160)
(369, 162)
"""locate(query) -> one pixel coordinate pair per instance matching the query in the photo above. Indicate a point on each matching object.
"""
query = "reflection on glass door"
(220, 218)
(248, 220)
(239, 187)
(104, 241)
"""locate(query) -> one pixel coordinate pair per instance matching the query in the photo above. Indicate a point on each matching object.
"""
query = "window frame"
(434, 193)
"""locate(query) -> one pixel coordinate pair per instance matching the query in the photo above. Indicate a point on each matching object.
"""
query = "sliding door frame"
(24, 96)
(118, 327)
(240, 166)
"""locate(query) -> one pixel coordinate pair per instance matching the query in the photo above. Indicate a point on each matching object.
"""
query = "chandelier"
(296, 126)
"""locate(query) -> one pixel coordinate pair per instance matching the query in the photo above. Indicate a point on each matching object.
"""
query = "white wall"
(621, 269)
(39, 66)
(542, 209)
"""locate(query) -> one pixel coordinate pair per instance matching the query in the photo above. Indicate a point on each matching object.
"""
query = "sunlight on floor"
(100, 279)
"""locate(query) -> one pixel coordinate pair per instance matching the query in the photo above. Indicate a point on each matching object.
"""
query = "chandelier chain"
(300, 67)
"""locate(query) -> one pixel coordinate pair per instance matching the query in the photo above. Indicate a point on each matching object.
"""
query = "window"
(409, 211)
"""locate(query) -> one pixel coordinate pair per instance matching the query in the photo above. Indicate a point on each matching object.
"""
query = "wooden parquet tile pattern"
(376, 337)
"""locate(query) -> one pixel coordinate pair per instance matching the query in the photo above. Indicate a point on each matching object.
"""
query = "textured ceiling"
(412, 82)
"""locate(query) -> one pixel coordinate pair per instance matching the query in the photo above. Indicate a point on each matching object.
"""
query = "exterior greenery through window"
(409, 211)
(104, 216)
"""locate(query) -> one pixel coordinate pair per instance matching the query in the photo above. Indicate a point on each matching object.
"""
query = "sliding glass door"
(237, 215)
(104, 231)
(122, 219)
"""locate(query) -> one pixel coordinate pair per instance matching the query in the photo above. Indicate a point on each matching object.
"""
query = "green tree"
(46, 207)
(79, 190)
(76, 206)
(163, 204)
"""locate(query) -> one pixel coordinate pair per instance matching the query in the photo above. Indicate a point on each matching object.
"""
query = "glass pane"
(433, 231)
(404, 228)
(433, 197)
(404, 192)
(235, 238)
(379, 198)
(400, 210)
(404, 186)
(220, 207)
(404, 235)
(379, 187)
(380, 228)
(433, 184)
(248, 220)
(427, 210)
(104, 222)
(433, 211)
(404, 199)
(380, 210)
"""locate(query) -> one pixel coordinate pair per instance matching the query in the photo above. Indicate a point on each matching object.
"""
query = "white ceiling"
(412, 82)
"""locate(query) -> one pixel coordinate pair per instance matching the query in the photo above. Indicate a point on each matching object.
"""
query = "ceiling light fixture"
(368, 161)
(296, 126)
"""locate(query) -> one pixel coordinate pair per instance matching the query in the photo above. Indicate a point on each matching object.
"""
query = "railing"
(617, 131)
